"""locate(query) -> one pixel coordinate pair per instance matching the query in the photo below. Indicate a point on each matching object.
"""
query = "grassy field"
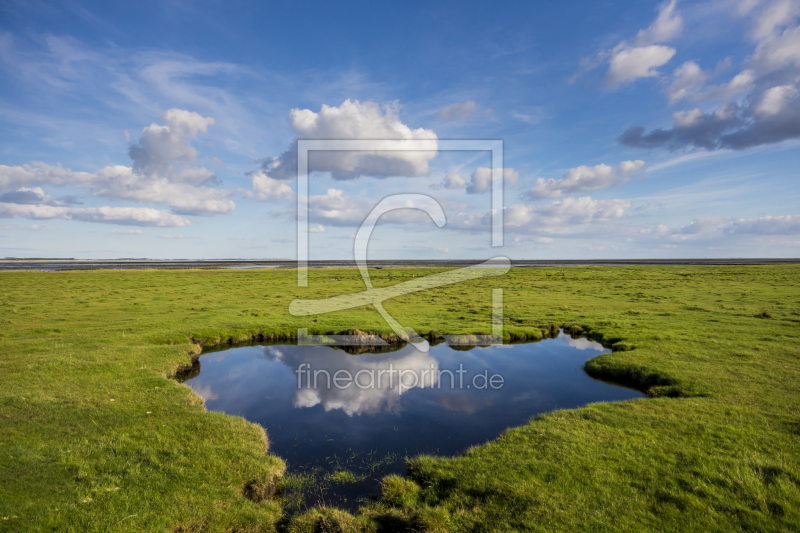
(95, 436)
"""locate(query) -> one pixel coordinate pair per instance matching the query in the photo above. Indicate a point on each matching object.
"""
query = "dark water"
(368, 429)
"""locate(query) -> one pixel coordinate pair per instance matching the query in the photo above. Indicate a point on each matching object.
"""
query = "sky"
(629, 129)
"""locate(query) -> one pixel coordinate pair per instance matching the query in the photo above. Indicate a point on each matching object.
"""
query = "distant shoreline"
(96, 264)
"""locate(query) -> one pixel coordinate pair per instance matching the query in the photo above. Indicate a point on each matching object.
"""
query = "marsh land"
(97, 435)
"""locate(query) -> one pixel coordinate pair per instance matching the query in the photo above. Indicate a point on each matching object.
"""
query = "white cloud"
(566, 212)
(38, 173)
(160, 147)
(267, 188)
(127, 231)
(184, 198)
(777, 51)
(482, 177)
(661, 229)
(768, 113)
(742, 82)
(686, 78)
(729, 127)
(129, 216)
(457, 111)
(586, 179)
(629, 64)
(777, 14)
(559, 217)
(775, 99)
(667, 26)
(685, 119)
(318, 229)
(355, 120)
(707, 229)
(699, 229)
(454, 180)
(781, 225)
(337, 209)
(777, 47)
(164, 171)
(639, 58)
(28, 195)
(480, 181)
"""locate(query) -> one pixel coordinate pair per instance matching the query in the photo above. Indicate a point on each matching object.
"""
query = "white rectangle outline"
(304, 146)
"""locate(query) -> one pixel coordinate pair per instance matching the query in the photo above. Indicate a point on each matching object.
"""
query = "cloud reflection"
(581, 344)
(385, 393)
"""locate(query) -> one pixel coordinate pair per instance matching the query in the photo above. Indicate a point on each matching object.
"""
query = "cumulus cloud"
(775, 100)
(130, 216)
(453, 180)
(686, 78)
(457, 111)
(481, 179)
(164, 171)
(559, 217)
(586, 179)
(769, 117)
(739, 84)
(699, 228)
(267, 188)
(29, 195)
(641, 56)
(629, 64)
(127, 232)
(355, 120)
(706, 229)
(777, 51)
(667, 26)
(569, 211)
(479, 183)
(781, 225)
(773, 15)
(160, 147)
(38, 173)
(337, 208)
(768, 113)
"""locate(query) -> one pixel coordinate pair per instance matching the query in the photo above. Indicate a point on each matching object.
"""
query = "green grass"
(714, 449)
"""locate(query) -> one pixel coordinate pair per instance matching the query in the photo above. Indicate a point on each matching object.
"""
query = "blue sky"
(630, 129)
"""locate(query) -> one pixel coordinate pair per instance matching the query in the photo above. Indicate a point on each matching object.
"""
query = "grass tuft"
(324, 520)
(398, 491)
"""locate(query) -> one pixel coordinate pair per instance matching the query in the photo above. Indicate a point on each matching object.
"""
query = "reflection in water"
(445, 410)
(321, 366)
(582, 344)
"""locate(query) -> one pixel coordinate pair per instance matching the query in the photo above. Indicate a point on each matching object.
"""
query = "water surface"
(450, 399)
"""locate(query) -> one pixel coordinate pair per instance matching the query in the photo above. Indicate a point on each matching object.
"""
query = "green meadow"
(96, 435)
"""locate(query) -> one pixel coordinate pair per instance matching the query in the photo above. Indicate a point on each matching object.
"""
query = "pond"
(342, 421)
